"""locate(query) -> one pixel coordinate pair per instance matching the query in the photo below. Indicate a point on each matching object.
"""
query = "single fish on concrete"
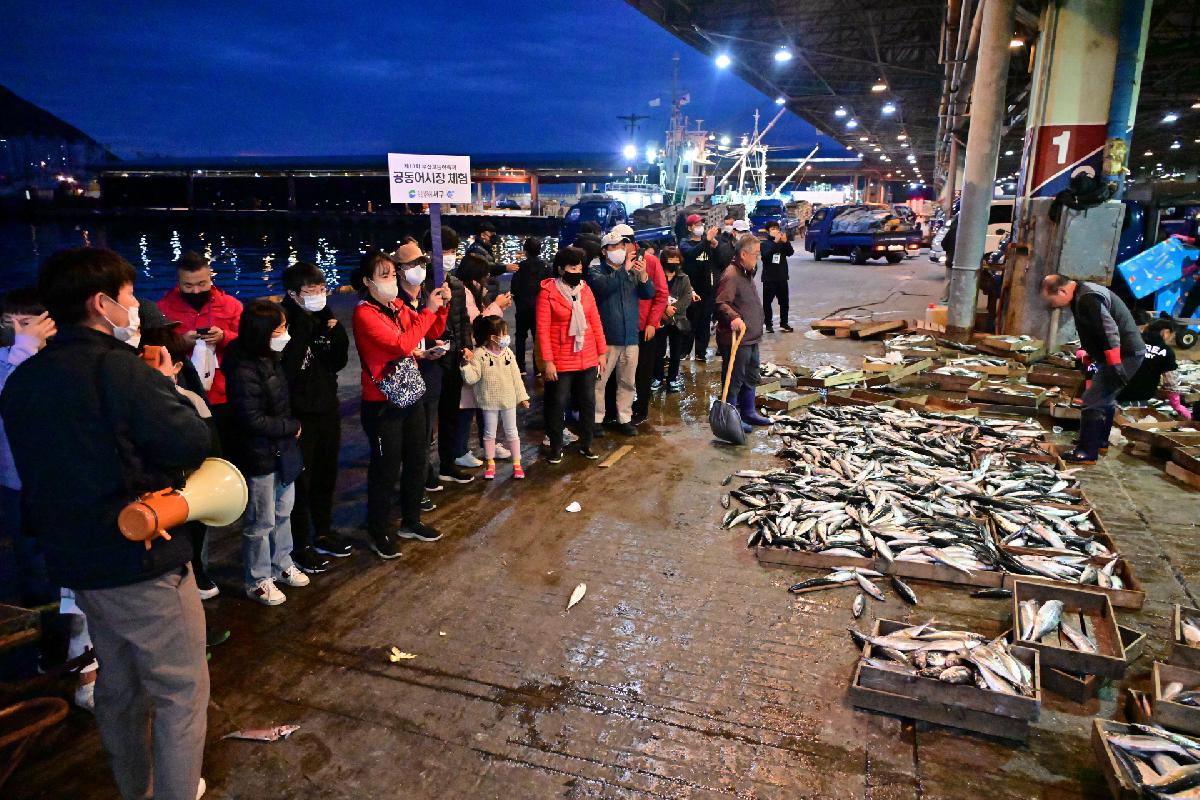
(869, 587)
(263, 734)
(904, 590)
(860, 605)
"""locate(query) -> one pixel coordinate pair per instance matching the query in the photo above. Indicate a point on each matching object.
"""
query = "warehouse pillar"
(983, 148)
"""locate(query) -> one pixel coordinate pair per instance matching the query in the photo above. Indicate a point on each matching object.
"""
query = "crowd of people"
(107, 396)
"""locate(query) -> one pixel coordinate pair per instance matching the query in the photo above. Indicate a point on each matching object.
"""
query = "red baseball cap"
(694, 218)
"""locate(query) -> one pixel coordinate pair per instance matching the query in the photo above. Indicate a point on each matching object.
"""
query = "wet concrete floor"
(686, 671)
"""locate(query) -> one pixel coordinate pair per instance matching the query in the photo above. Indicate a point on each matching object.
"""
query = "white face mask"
(505, 341)
(697, 230)
(448, 263)
(617, 256)
(131, 333)
(313, 302)
(280, 342)
(414, 276)
(386, 292)
(729, 229)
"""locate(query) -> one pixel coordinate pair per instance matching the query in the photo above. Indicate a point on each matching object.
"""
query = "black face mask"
(197, 300)
(572, 279)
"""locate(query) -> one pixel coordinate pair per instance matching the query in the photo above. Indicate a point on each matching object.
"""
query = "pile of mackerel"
(877, 482)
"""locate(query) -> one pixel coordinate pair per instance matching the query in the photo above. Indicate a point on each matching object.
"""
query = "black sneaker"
(786, 328)
(310, 561)
(432, 484)
(771, 328)
(422, 533)
(454, 474)
(598, 432)
(332, 545)
(555, 456)
(427, 504)
(701, 359)
(627, 429)
(587, 453)
(385, 546)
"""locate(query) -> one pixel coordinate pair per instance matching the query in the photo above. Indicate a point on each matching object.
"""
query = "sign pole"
(435, 244)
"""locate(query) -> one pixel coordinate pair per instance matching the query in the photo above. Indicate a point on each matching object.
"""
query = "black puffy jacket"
(312, 358)
(262, 415)
(91, 428)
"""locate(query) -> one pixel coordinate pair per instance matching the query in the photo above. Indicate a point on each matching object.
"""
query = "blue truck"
(608, 212)
(772, 209)
(862, 232)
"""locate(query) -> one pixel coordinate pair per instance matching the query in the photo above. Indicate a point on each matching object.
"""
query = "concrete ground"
(686, 671)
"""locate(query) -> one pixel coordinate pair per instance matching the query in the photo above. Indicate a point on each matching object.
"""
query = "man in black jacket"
(317, 351)
(483, 246)
(1110, 338)
(699, 253)
(526, 286)
(775, 252)
(92, 427)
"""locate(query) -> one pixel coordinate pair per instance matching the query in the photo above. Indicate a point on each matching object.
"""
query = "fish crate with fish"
(789, 400)
(1050, 375)
(949, 379)
(914, 345)
(1082, 687)
(1128, 594)
(1185, 646)
(1073, 630)
(999, 367)
(1138, 707)
(858, 397)
(956, 559)
(1177, 697)
(828, 376)
(1004, 394)
(783, 374)
(1145, 431)
(896, 366)
(1063, 409)
(1146, 761)
(1011, 344)
(956, 678)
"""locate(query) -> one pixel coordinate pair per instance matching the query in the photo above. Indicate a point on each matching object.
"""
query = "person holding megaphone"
(93, 428)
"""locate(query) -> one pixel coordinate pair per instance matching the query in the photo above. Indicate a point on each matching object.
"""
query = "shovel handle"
(737, 339)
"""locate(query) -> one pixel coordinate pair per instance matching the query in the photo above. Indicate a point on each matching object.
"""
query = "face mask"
(280, 342)
(616, 257)
(448, 263)
(387, 292)
(697, 230)
(196, 300)
(671, 267)
(414, 276)
(572, 278)
(313, 302)
(729, 229)
(505, 341)
(131, 333)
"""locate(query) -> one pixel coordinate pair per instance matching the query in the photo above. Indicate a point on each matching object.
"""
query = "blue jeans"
(267, 528)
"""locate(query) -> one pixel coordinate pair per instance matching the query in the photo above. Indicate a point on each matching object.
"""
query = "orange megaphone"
(214, 494)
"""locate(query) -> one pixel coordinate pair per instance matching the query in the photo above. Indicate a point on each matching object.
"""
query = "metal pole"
(1131, 49)
(951, 180)
(983, 148)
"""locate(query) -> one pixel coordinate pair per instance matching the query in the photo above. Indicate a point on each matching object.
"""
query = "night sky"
(323, 78)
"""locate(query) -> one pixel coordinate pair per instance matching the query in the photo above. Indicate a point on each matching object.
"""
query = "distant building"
(36, 147)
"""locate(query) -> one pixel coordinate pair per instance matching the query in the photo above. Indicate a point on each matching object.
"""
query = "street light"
(783, 55)
(723, 61)
(630, 152)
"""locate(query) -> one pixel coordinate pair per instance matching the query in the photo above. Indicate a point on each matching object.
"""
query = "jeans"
(678, 343)
(267, 528)
(526, 326)
(492, 418)
(622, 360)
(1101, 394)
(745, 368)
(702, 321)
(399, 449)
(775, 290)
(647, 350)
(152, 695)
(579, 385)
(320, 442)
(462, 443)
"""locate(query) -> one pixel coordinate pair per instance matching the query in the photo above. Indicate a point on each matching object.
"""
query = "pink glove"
(1178, 406)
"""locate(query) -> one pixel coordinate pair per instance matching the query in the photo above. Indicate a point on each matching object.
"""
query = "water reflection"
(247, 258)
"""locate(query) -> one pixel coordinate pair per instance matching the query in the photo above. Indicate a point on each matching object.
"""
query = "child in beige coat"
(492, 371)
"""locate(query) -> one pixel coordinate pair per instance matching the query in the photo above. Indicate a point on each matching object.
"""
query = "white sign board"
(429, 179)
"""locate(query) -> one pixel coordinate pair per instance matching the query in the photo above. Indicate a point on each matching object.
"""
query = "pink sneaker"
(518, 472)
(490, 472)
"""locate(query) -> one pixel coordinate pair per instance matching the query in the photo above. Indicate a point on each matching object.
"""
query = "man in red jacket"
(208, 321)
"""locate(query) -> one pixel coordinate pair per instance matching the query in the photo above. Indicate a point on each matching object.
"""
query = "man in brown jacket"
(739, 308)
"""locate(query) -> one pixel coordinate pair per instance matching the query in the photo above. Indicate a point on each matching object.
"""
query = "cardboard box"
(1108, 662)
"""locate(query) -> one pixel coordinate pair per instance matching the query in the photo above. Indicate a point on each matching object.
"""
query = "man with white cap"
(619, 281)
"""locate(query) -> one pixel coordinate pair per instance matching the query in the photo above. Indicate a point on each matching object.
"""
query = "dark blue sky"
(322, 78)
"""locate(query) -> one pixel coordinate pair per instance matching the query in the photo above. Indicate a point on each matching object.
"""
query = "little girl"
(492, 371)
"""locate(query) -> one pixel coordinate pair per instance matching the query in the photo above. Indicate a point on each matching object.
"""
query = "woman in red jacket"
(386, 330)
(572, 342)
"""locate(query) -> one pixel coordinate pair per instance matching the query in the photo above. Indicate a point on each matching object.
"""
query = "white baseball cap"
(611, 238)
(741, 225)
(623, 230)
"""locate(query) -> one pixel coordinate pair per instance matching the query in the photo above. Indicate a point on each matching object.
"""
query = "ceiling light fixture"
(879, 86)
(723, 61)
(783, 55)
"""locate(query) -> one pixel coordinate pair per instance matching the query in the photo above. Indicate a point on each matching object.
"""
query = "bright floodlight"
(841, 112)
(780, 100)
(783, 54)
(651, 153)
(724, 60)
(1175, 145)
(1016, 42)
(889, 108)
(725, 140)
(630, 152)
(879, 86)
(1170, 116)
(852, 124)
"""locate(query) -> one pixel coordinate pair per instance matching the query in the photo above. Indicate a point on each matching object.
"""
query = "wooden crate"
(1133, 596)
(949, 383)
(788, 400)
(999, 342)
(1186, 456)
(1048, 375)
(1109, 662)
(859, 397)
(1183, 654)
(868, 330)
(1064, 410)
(831, 326)
(787, 557)
(1137, 708)
(1184, 476)
(1081, 687)
(940, 573)
(766, 387)
(999, 370)
(1171, 715)
(804, 378)
(965, 707)
(1146, 431)
(982, 392)
(1121, 785)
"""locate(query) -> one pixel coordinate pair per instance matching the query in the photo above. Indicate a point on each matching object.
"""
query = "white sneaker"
(85, 696)
(569, 437)
(293, 576)
(201, 789)
(266, 593)
(502, 452)
(468, 461)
